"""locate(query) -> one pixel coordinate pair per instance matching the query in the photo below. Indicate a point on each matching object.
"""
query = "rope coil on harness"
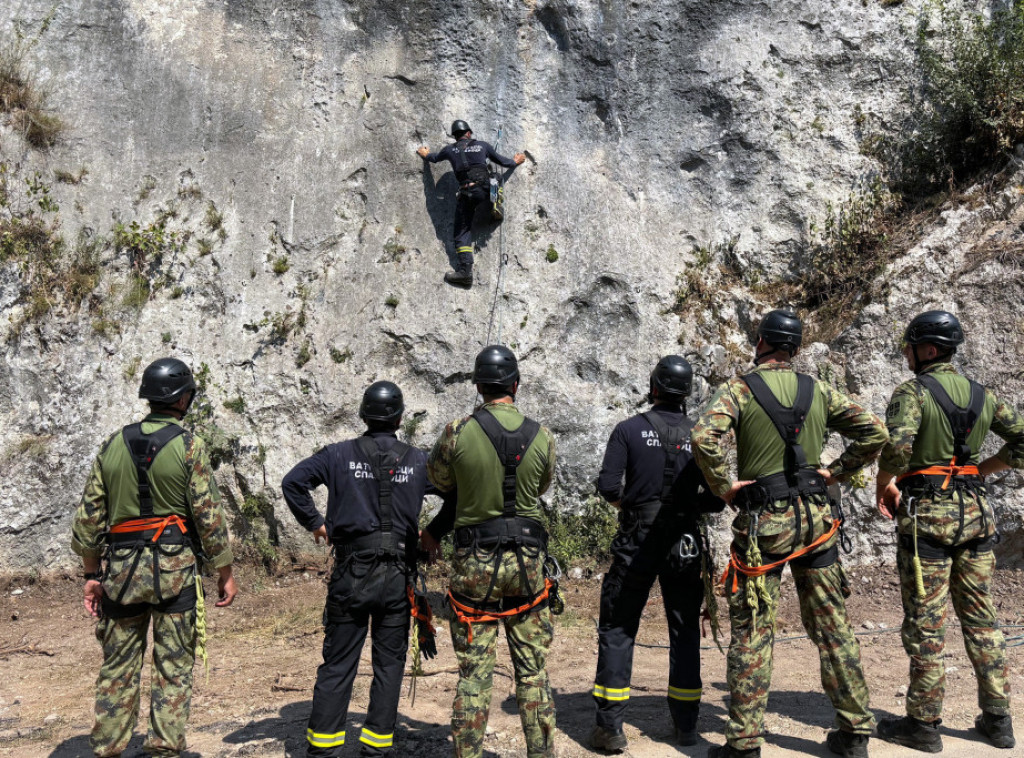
(469, 615)
(736, 566)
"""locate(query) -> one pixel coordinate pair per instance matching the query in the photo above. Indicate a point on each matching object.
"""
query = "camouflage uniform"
(954, 545)
(464, 458)
(781, 528)
(182, 484)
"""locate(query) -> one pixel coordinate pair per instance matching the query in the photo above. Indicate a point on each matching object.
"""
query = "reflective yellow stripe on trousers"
(376, 740)
(611, 693)
(325, 740)
(678, 693)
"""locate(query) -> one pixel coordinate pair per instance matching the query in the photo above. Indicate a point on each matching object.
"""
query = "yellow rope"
(415, 671)
(916, 562)
(201, 625)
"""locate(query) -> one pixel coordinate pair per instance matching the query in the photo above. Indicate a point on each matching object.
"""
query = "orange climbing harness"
(738, 566)
(468, 615)
(947, 471)
(148, 524)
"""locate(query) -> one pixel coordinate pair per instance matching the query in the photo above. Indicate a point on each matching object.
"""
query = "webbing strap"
(469, 614)
(671, 438)
(144, 448)
(510, 446)
(788, 421)
(384, 464)
(961, 420)
(737, 566)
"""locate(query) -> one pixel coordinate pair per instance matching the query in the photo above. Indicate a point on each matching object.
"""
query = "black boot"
(462, 276)
(728, 751)
(848, 744)
(998, 729)
(909, 732)
(607, 741)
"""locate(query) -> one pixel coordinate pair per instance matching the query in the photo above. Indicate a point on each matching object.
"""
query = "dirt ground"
(264, 651)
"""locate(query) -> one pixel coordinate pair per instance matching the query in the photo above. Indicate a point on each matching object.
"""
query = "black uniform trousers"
(466, 206)
(363, 591)
(640, 553)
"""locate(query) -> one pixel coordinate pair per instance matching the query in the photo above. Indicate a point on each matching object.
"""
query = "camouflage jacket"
(106, 502)
(865, 430)
(951, 516)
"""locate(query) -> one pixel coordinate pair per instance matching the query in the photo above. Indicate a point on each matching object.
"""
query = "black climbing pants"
(466, 206)
(362, 594)
(640, 553)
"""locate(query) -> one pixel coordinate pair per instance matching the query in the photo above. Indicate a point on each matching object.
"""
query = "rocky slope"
(276, 141)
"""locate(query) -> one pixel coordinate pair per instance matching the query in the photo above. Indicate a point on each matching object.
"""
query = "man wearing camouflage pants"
(931, 479)
(499, 462)
(151, 503)
(781, 419)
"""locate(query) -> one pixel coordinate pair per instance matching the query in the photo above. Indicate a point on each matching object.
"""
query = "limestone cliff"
(272, 145)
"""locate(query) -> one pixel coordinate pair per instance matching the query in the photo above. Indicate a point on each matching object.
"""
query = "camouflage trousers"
(821, 593)
(967, 578)
(529, 638)
(117, 686)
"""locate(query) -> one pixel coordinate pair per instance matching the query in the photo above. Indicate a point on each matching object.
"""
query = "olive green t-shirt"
(464, 457)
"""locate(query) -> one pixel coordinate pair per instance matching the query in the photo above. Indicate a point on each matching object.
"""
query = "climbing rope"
(497, 311)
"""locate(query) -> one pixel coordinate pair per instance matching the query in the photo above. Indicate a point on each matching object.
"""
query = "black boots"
(909, 732)
(848, 744)
(462, 276)
(998, 729)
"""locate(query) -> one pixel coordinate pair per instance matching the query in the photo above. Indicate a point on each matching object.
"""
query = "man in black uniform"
(469, 160)
(649, 474)
(375, 488)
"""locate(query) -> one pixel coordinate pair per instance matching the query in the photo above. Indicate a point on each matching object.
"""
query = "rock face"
(276, 140)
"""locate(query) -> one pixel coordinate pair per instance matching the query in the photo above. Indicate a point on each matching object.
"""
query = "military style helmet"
(382, 401)
(165, 380)
(782, 330)
(672, 378)
(940, 328)
(496, 365)
(459, 127)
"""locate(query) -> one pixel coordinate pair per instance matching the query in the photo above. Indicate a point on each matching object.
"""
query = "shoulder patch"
(893, 409)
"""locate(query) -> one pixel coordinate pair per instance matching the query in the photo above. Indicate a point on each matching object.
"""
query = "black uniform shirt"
(633, 468)
(352, 491)
(473, 153)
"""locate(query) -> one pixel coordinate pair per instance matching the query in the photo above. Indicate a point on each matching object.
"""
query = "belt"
(946, 473)
(382, 544)
(166, 531)
(502, 530)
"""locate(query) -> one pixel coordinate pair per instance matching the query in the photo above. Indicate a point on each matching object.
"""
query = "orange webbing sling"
(147, 524)
(947, 471)
(736, 565)
(468, 615)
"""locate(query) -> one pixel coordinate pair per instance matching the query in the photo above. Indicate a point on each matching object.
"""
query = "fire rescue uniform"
(658, 537)
(785, 511)
(469, 158)
(946, 508)
(498, 567)
(375, 489)
(149, 519)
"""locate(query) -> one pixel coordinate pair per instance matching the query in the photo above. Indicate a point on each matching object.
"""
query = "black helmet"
(382, 401)
(496, 365)
(459, 127)
(165, 380)
(782, 330)
(939, 328)
(672, 378)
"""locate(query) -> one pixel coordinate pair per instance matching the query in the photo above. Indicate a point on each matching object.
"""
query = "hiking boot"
(909, 732)
(686, 736)
(998, 729)
(848, 744)
(460, 277)
(607, 740)
(728, 751)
